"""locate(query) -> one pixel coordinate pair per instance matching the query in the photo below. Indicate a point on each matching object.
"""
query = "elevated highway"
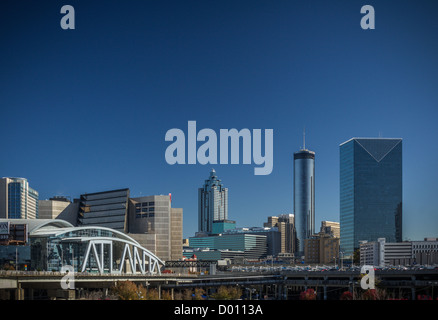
(22, 285)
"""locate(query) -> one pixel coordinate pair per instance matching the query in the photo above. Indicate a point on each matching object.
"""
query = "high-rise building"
(370, 191)
(212, 203)
(17, 199)
(157, 226)
(304, 196)
(105, 209)
(285, 223)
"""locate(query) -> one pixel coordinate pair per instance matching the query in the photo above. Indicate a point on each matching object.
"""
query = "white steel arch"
(146, 261)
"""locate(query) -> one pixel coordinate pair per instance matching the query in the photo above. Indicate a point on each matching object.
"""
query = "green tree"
(198, 293)
(128, 290)
(227, 293)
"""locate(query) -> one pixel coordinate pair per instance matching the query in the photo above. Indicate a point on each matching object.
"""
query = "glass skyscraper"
(17, 199)
(370, 191)
(304, 196)
(212, 203)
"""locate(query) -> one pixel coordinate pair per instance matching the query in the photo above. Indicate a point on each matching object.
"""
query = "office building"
(321, 248)
(212, 203)
(221, 226)
(373, 253)
(157, 226)
(52, 208)
(285, 223)
(331, 228)
(304, 196)
(370, 191)
(176, 233)
(273, 237)
(105, 209)
(381, 253)
(425, 252)
(17, 199)
(253, 246)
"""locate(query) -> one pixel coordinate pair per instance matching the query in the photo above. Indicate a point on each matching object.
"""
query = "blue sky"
(86, 110)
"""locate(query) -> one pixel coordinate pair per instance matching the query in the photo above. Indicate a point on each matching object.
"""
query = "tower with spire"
(212, 203)
(304, 194)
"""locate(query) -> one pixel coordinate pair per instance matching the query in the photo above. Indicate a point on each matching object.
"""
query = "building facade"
(212, 203)
(381, 253)
(331, 228)
(157, 226)
(52, 208)
(304, 196)
(285, 224)
(370, 191)
(221, 226)
(105, 209)
(321, 248)
(253, 246)
(17, 199)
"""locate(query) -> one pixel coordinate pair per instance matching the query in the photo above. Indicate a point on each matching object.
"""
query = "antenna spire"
(304, 138)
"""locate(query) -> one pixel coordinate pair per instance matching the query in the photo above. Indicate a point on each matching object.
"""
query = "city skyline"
(87, 110)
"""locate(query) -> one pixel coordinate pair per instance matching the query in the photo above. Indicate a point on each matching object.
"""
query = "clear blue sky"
(86, 110)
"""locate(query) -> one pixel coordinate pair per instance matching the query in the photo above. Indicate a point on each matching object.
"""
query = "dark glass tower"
(212, 203)
(370, 191)
(304, 196)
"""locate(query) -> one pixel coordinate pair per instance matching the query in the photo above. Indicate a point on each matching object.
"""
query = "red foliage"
(347, 295)
(370, 294)
(309, 294)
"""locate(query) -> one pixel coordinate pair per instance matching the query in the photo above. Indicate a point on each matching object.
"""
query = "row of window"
(145, 215)
(144, 204)
(150, 209)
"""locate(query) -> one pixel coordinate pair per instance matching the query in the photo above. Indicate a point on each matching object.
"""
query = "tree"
(309, 294)
(199, 292)
(227, 293)
(347, 295)
(128, 290)
(187, 294)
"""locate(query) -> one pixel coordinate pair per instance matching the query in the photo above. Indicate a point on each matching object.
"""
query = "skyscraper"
(370, 191)
(304, 196)
(212, 203)
(17, 199)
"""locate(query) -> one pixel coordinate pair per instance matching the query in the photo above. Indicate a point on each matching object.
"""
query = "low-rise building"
(381, 253)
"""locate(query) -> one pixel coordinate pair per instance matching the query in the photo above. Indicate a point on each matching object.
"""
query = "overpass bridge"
(277, 285)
